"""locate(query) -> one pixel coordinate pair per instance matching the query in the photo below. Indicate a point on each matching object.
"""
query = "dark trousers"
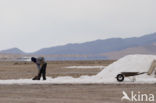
(42, 72)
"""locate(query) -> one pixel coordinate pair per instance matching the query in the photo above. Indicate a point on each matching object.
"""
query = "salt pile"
(130, 63)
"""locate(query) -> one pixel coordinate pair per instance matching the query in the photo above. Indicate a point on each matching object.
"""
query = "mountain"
(100, 46)
(112, 48)
(150, 49)
(12, 51)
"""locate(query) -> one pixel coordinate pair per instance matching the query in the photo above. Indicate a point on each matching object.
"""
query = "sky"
(34, 24)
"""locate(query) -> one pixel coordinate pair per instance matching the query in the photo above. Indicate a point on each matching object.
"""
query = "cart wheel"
(120, 77)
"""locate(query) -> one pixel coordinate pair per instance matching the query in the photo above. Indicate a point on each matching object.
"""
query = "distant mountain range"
(12, 51)
(112, 48)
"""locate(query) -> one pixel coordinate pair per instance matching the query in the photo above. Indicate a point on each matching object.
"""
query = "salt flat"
(131, 63)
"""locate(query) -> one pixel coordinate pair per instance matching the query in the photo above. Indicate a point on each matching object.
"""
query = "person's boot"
(44, 78)
(36, 78)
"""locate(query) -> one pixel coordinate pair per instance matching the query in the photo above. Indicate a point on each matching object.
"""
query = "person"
(41, 65)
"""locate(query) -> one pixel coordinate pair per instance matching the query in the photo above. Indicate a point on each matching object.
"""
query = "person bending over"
(41, 65)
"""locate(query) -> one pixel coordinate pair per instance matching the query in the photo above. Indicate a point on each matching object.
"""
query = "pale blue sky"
(34, 24)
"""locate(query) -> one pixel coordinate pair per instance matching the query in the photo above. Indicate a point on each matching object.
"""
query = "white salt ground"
(85, 67)
(130, 63)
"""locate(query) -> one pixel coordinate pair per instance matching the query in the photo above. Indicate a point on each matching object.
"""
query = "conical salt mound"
(130, 63)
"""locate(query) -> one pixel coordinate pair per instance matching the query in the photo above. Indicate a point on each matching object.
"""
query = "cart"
(120, 77)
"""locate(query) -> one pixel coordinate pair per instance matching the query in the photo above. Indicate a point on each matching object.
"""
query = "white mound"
(131, 63)
(85, 67)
